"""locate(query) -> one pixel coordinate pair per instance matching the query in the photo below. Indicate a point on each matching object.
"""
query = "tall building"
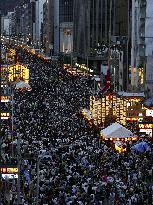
(25, 21)
(12, 22)
(33, 21)
(18, 23)
(97, 25)
(142, 46)
(48, 22)
(149, 48)
(59, 17)
(66, 25)
(39, 21)
(5, 25)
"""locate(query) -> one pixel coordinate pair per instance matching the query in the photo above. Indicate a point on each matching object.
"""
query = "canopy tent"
(23, 86)
(117, 131)
(141, 147)
(148, 102)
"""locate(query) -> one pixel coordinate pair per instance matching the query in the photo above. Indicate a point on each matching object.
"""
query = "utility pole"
(12, 120)
(71, 61)
(37, 189)
(0, 104)
(88, 63)
(19, 164)
(109, 39)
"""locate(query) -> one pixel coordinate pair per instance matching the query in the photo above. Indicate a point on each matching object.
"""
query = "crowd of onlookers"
(75, 166)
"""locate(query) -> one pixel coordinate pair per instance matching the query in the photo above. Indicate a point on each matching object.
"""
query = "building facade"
(59, 17)
(24, 22)
(5, 25)
(66, 25)
(142, 46)
(39, 22)
(48, 22)
(149, 48)
(98, 26)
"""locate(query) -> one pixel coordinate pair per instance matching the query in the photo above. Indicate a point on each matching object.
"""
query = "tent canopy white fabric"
(23, 85)
(116, 130)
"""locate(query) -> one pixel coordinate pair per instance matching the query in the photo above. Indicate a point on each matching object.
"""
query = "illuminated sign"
(5, 98)
(146, 126)
(135, 99)
(9, 176)
(149, 113)
(147, 131)
(132, 119)
(8, 170)
(5, 115)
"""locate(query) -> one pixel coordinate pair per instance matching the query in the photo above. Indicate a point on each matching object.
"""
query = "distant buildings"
(97, 26)
(39, 21)
(58, 26)
(100, 34)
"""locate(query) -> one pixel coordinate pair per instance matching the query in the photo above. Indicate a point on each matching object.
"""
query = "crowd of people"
(58, 146)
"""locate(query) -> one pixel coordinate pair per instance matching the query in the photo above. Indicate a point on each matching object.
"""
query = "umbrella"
(148, 102)
(141, 147)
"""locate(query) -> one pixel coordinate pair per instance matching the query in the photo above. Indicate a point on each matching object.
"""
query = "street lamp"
(0, 98)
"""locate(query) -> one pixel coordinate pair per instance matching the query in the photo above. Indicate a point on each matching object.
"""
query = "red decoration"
(110, 96)
(108, 82)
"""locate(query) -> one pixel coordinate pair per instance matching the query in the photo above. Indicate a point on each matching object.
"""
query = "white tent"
(22, 85)
(116, 130)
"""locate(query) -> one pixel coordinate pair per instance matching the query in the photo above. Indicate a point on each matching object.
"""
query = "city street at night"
(76, 109)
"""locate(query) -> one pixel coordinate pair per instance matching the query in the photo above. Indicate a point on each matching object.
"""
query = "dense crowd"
(75, 166)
